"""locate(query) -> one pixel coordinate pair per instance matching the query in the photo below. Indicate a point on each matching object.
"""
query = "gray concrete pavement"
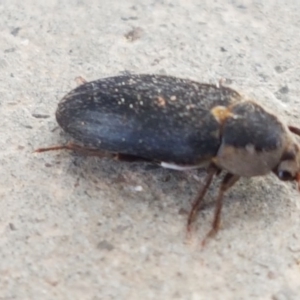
(84, 228)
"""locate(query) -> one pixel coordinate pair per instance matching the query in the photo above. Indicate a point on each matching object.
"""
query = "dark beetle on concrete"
(180, 124)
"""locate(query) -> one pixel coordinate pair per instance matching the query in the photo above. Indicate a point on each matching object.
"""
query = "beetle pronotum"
(180, 124)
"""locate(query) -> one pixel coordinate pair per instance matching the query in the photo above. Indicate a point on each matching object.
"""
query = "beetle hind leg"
(77, 148)
(228, 181)
(94, 152)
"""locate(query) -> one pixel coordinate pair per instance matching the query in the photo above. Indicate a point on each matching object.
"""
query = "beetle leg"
(54, 148)
(228, 181)
(212, 170)
(94, 152)
(77, 148)
(294, 130)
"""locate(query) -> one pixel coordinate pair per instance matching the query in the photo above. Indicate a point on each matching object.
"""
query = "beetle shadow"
(136, 181)
(251, 200)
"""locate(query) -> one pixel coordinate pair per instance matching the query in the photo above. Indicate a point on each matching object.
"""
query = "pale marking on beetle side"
(180, 167)
(241, 162)
(173, 98)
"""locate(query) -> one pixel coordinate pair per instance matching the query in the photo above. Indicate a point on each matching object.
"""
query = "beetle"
(180, 124)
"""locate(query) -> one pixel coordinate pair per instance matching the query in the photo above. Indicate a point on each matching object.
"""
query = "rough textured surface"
(85, 228)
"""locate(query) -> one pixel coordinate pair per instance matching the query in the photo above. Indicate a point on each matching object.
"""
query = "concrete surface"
(85, 228)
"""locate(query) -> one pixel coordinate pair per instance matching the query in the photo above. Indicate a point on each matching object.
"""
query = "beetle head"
(289, 167)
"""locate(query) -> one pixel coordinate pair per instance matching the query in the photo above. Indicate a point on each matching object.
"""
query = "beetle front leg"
(228, 181)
